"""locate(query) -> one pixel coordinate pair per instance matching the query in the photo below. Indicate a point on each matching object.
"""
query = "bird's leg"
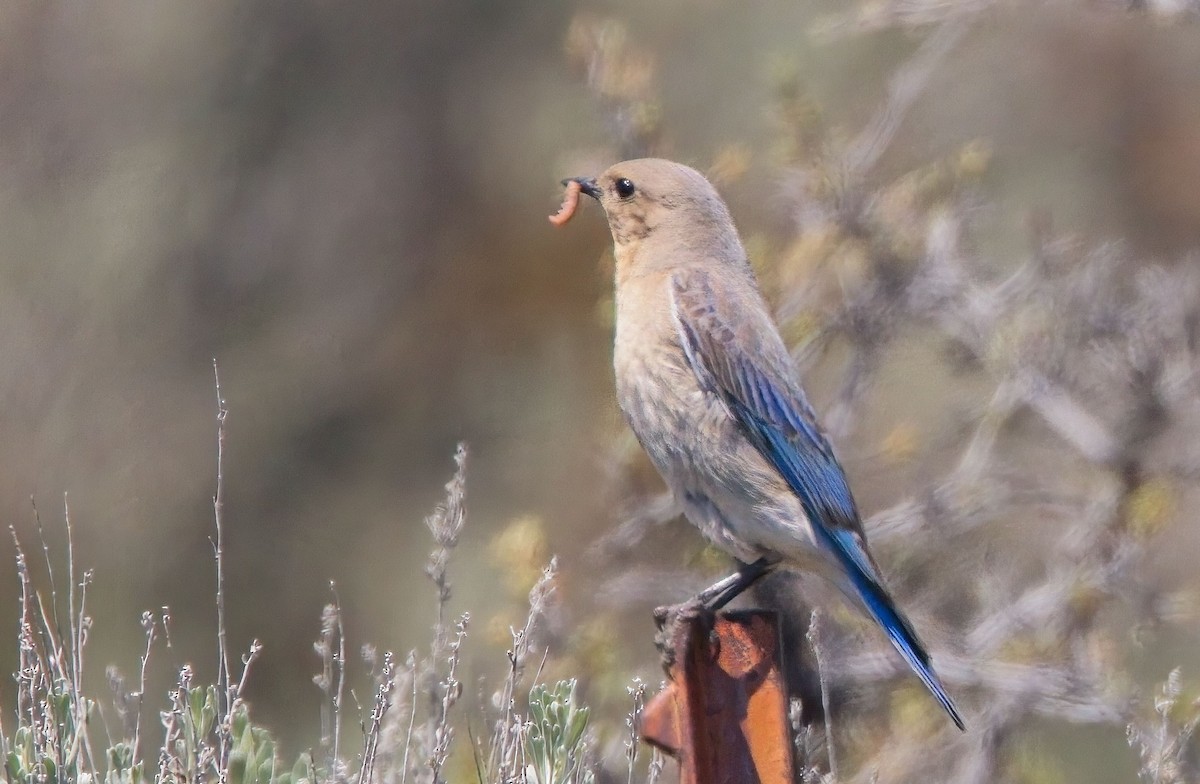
(673, 619)
(724, 591)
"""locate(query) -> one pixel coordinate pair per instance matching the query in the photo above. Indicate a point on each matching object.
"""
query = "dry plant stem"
(66, 654)
(412, 716)
(3, 738)
(55, 671)
(903, 90)
(324, 648)
(451, 690)
(332, 685)
(506, 742)
(804, 744)
(341, 668)
(27, 661)
(166, 624)
(476, 752)
(445, 524)
(502, 752)
(81, 623)
(148, 626)
(224, 682)
(1163, 742)
(378, 711)
(638, 692)
(33, 669)
(47, 676)
(247, 660)
(37, 521)
(814, 639)
(174, 726)
(77, 619)
(657, 763)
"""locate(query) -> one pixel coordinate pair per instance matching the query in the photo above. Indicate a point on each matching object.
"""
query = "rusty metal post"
(724, 715)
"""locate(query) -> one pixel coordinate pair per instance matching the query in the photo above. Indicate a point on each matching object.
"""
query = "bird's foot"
(673, 622)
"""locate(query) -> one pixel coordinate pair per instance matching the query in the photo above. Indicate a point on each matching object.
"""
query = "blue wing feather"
(781, 425)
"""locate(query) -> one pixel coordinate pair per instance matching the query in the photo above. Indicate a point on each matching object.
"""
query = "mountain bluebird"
(707, 385)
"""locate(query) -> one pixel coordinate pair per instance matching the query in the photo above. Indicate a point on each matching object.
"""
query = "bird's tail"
(881, 607)
(898, 630)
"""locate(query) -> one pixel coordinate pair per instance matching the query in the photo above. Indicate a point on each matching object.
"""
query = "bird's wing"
(760, 394)
(753, 380)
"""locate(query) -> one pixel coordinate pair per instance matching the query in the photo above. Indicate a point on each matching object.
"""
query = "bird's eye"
(625, 187)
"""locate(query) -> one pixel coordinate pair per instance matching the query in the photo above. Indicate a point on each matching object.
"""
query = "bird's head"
(661, 212)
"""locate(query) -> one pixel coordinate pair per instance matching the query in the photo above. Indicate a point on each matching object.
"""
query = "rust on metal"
(724, 713)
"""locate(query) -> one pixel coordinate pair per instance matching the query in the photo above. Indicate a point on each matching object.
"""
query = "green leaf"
(13, 766)
(237, 768)
(554, 743)
(209, 712)
(241, 721)
(302, 770)
(120, 757)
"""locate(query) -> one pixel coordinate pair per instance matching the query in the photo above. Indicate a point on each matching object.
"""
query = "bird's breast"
(674, 418)
(658, 395)
(686, 430)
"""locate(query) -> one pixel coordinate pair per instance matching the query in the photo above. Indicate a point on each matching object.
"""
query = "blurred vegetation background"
(345, 205)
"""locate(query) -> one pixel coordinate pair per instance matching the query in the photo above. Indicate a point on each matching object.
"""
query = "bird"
(706, 383)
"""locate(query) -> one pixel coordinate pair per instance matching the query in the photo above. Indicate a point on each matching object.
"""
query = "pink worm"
(569, 205)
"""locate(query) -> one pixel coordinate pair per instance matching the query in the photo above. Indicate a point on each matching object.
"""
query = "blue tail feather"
(898, 630)
(905, 641)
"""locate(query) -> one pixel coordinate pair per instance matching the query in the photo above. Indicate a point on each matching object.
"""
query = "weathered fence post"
(724, 715)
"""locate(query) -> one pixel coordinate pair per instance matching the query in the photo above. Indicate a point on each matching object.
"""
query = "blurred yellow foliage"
(974, 159)
(797, 115)
(616, 69)
(901, 443)
(1085, 599)
(800, 330)
(1150, 507)
(602, 48)
(594, 646)
(1029, 648)
(521, 553)
(1033, 765)
(812, 247)
(708, 559)
(730, 164)
(913, 713)
(1017, 338)
(498, 630)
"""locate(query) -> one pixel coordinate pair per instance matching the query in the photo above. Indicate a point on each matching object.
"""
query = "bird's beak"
(587, 185)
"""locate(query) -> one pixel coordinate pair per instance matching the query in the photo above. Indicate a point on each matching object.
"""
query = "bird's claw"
(673, 622)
